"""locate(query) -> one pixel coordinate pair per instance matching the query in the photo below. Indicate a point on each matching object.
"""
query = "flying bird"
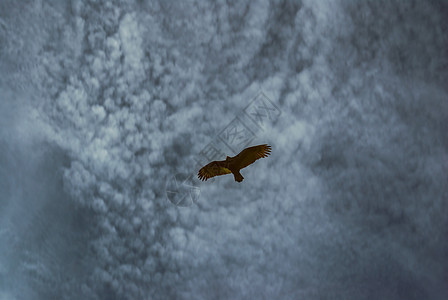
(234, 164)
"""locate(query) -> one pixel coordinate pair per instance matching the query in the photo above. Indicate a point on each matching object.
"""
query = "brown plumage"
(234, 164)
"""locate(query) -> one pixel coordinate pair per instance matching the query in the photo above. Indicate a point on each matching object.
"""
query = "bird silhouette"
(234, 164)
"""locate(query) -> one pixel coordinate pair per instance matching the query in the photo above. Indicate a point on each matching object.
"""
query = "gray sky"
(102, 102)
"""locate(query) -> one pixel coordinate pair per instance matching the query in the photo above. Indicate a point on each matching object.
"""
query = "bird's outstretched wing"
(251, 154)
(215, 168)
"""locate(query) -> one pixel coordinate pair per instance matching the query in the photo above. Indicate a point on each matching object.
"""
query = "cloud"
(349, 205)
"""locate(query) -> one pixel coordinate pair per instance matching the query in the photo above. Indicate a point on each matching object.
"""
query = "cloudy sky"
(103, 102)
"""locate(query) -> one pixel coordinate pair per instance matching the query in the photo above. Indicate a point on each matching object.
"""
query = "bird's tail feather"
(238, 177)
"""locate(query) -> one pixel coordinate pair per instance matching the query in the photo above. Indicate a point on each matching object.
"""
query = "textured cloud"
(102, 101)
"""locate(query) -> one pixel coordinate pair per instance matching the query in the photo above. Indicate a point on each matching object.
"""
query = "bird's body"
(234, 164)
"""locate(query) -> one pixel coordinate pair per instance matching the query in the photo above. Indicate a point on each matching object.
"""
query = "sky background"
(102, 102)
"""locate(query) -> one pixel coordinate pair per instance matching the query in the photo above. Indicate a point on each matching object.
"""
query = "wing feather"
(250, 155)
(215, 168)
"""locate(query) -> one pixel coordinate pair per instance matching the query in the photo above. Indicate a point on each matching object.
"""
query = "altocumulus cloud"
(102, 101)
